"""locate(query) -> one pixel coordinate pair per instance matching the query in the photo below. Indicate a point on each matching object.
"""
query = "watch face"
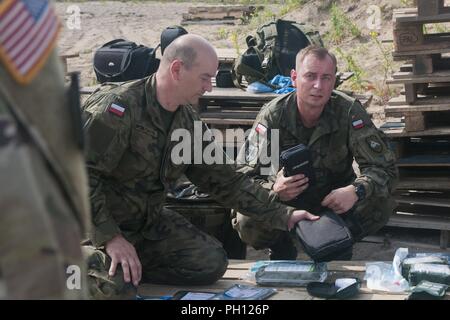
(360, 192)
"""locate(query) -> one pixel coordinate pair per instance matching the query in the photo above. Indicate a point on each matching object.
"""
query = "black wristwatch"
(360, 191)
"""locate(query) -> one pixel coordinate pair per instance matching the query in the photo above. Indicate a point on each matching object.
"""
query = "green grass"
(341, 26)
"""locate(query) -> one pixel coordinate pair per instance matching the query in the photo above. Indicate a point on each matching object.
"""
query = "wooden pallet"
(436, 83)
(409, 33)
(218, 14)
(425, 64)
(423, 210)
(408, 220)
(422, 151)
(397, 130)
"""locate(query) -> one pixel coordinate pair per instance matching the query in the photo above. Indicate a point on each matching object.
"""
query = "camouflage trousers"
(366, 218)
(172, 251)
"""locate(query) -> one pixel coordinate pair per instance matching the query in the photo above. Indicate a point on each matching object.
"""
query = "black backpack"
(121, 60)
(169, 34)
(273, 51)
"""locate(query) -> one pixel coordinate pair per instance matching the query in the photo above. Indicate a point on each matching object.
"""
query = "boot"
(283, 249)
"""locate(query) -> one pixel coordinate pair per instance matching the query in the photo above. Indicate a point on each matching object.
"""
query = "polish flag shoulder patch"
(261, 129)
(116, 109)
(358, 124)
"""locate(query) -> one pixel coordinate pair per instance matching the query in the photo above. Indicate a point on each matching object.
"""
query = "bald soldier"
(337, 130)
(131, 129)
(44, 203)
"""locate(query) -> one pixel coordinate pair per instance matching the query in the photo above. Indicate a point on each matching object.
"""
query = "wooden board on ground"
(218, 14)
(208, 22)
(237, 270)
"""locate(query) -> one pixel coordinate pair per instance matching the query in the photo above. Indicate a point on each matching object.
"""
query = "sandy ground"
(143, 22)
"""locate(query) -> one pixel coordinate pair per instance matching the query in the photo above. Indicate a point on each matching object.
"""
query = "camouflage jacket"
(131, 168)
(344, 132)
(44, 202)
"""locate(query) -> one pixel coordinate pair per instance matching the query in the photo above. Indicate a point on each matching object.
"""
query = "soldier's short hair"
(319, 52)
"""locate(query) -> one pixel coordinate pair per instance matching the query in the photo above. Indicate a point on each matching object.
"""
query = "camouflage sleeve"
(235, 189)
(372, 152)
(107, 130)
(254, 158)
(39, 235)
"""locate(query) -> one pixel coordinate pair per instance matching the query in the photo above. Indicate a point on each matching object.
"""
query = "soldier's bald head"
(187, 48)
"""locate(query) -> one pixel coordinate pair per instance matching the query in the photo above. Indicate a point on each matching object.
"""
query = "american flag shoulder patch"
(261, 129)
(116, 109)
(28, 32)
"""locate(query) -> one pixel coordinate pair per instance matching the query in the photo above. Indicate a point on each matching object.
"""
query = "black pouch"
(325, 239)
(332, 291)
(297, 160)
(224, 77)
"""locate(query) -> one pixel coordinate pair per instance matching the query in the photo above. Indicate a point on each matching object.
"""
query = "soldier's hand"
(123, 252)
(299, 215)
(341, 200)
(288, 188)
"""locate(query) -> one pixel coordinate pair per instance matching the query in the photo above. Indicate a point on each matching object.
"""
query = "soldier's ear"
(294, 78)
(176, 68)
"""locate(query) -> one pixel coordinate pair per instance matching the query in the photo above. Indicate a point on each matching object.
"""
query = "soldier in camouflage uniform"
(131, 147)
(336, 129)
(44, 203)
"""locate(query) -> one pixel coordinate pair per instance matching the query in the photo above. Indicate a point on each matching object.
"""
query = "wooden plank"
(410, 92)
(227, 53)
(425, 201)
(427, 103)
(208, 22)
(237, 94)
(223, 9)
(402, 132)
(234, 122)
(411, 39)
(424, 183)
(414, 122)
(408, 220)
(409, 77)
(432, 160)
(229, 115)
(405, 18)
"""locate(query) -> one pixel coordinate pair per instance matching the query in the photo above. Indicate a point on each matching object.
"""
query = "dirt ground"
(142, 22)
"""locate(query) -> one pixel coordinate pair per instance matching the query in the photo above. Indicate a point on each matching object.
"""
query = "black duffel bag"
(325, 239)
(122, 60)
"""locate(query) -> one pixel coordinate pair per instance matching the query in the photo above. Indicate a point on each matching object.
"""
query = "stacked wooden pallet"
(422, 137)
(219, 14)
